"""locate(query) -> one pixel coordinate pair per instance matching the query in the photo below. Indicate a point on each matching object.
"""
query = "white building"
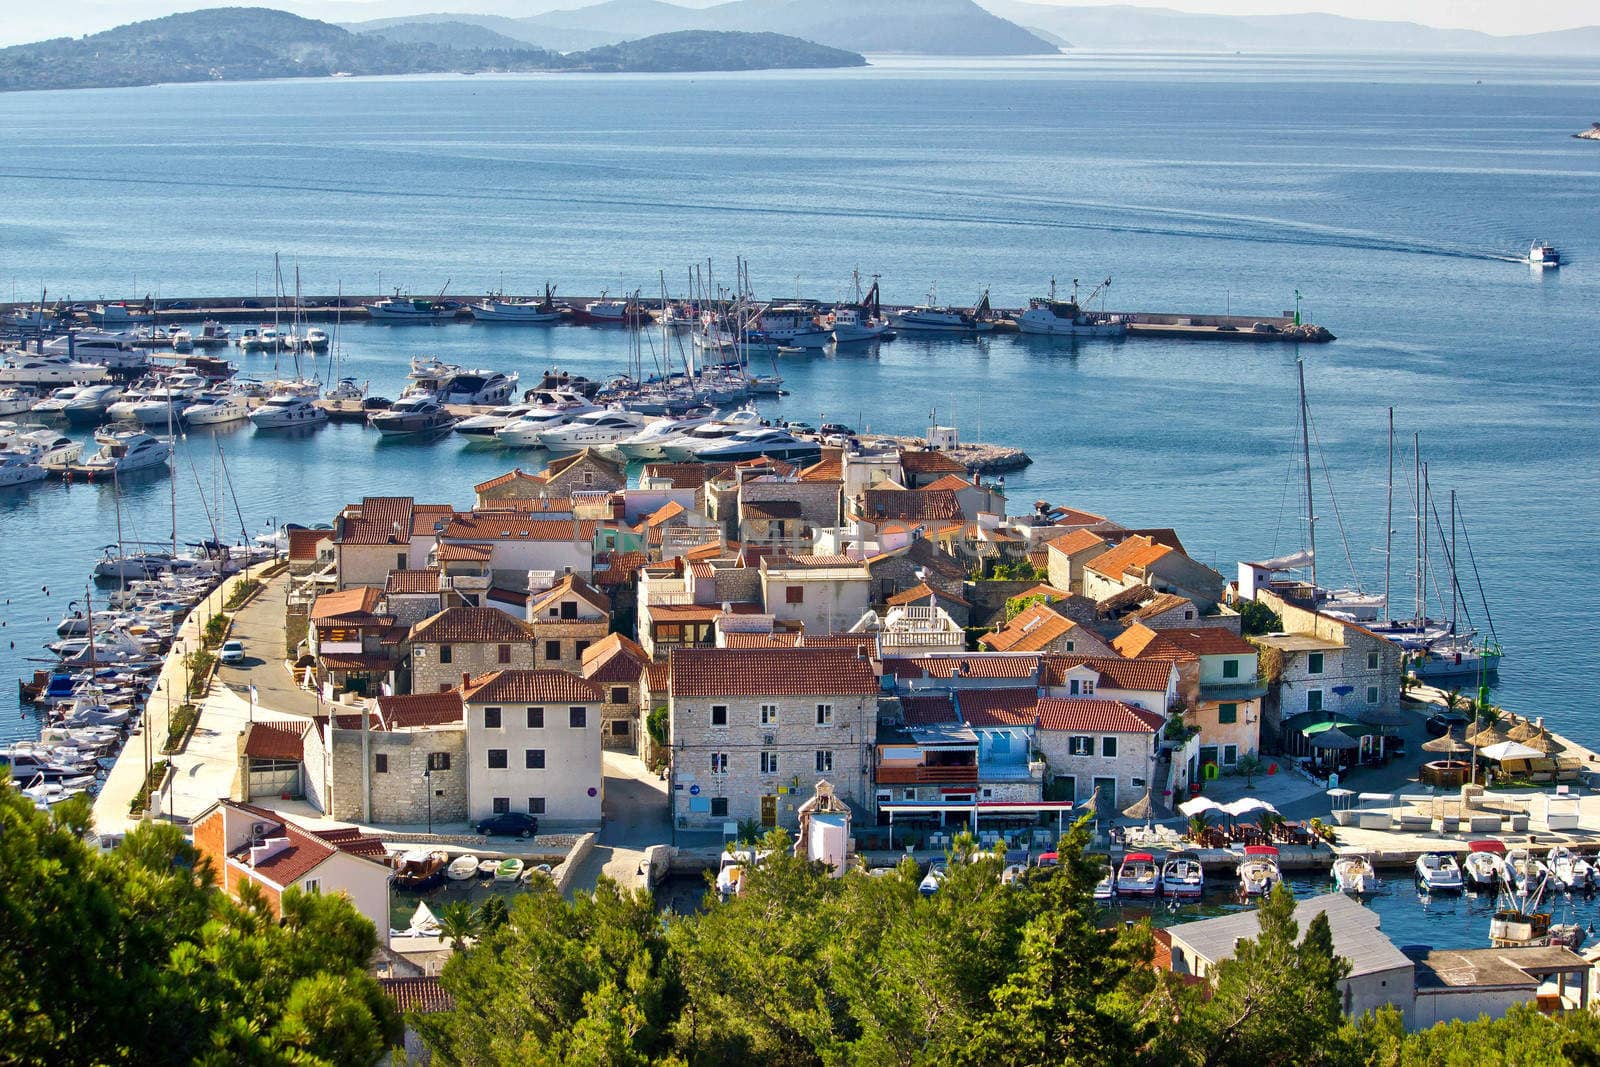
(533, 744)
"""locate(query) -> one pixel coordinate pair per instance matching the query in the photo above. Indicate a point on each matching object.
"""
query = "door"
(1108, 796)
(769, 811)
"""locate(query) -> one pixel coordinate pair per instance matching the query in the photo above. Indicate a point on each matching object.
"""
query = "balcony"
(955, 774)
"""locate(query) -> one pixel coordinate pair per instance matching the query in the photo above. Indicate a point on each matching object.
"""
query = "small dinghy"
(1438, 872)
(461, 868)
(509, 870)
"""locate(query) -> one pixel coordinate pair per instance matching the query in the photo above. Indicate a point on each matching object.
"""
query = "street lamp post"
(427, 779)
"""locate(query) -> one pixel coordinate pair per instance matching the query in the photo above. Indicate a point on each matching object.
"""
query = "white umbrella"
(1199, 805)
(1245, 805)
(1505, 750)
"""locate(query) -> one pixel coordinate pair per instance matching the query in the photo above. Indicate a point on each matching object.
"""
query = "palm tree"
(1198, 827)
(457, 923)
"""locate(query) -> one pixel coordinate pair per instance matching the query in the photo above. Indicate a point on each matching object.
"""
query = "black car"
(181, 305)
(508, 823)
(1442, 723)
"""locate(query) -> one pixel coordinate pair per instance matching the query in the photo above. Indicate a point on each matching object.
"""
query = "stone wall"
(429, 675)
(573, 636)
(399, 795)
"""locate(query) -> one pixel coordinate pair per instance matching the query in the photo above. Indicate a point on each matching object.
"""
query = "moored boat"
(509, 870)
(1258, 870)
(283, 410)
(1139, 875)
(931, 317)
(1485, 864)
(1569, 870)
(420, 868)
(1182, 876)
(412, 416)
(1438, 872)
(1354, 874)
(1049, 316)
(461, 868)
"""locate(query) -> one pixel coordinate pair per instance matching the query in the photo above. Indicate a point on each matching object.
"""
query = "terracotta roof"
(1048, 591)
(950, 481)
(466, 553)
(686, 612)
(423, 581)
(426, 518)
(306, 849)
(356, 603)
(916, 504)
(923, 591)
(830, 468)
(571, 585)
(303, 544)
(1181, 643)
(513, 475)
(1061, 515)
(658, 678)
(929, 461)
(377, 520)
(424, 995)
(1138, 675)
(928, 710)
(556, 466)
(618, 568)
(1161, 535)
(352, 840)
(1163, 603)
(355, 661)
(1031, 631)
(531, 687)
(865, 642)
(977, 665)
(782, 639)
(275, 740)
(670, 510)
(349, 720)
(773, 509)
(614, 658)
(997, 707)
(1076, 541)
(469, 625)
(770, 672)
(709, 550)
(420, 709)
(811, 562)
(545, 505)
(1135, 553)
(1097, 717)
(686, 475)
(502, 525)
(1131, 597)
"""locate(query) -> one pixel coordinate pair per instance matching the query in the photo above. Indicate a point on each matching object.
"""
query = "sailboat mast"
(1455, 588)
(1305, 455)
(1388, 521)
(1416, 477)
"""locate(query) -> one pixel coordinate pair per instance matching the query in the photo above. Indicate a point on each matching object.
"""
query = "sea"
(1391, 199)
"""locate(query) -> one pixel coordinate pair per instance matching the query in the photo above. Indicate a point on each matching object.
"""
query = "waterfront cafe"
(1021, 824)
(1332, 741)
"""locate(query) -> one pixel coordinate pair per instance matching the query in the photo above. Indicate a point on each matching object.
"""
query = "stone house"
(616, 665)
(918, 562)
(1069, 553)
(1151, 684)
(1094, 743)
(380, 766)
(310, 551)
(509, 544)
(824, 594)
(787, 512)
(467, 641)
(411, 596)
(533, 737)
(1041, 628)
(920, 467)
(383, 534)
(582, 472)
(752, 731)
(355, 647)
(1217, 685)
(1142, 560)
(566, 619)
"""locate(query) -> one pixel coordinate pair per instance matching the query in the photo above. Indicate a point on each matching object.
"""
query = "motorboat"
(1049, 316)
(497, 308)
(937, 873)
(1259, 871)
(315, 339)
(182, 340)
(1183, 876)
(55, 404)
(509, 870)
(1354, 874)
(1485, 865)
(931, 317)
(22, 368)
(305, 388)
(159, 406)
(122, 451)
(262, 339)
(214, 409)
(112, 350)
(1438, 872)
(412, 416)
(420, 868)
(474, 387)
(648, 442)
(1525, 873)
(482, 427)
(768, 442)
(686, 444)
(212, 335)
(283, 410)
(1139, 875)
(89, 406)
(594, 429)
(406, 309)
(116, 314)
(461, 868)
(792, 325)
(1569, 870)
(17, 469)
(17, 401)
(1106, 887)
(606, 311)
(48, 447)
(528, 431)
(1543, 255)
(347, 389)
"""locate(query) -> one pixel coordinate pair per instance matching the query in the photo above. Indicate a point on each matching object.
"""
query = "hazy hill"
(447, 34)
(239, 44)
(521, 29)
(1162, 29)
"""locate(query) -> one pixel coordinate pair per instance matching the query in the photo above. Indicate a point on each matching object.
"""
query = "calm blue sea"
(1394, 195)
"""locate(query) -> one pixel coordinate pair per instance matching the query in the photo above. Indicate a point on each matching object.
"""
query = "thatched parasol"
(1335, 739)
(1489, 735)
(1449, 744)
(1139, 809)
(1522, 731)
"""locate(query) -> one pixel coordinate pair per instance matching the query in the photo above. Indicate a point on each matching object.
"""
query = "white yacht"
(17, 401)
(932, 317)
(482, 427)
(316, 339)
(161, 405)
(182, 341)
(648, 442)
(282, 410)
(1543, 255)
(23, 368)
(55, 404)
(347, 389)
(214, 409)
(793, 325)
(595, 429)
(18, 469)
(1438, 872)
(412, 416)
(768, 442)
(473, 387)
(527, 431)
(685, 444)
(1066, 318)
(124, 450)
(50, 448)
(88, 408)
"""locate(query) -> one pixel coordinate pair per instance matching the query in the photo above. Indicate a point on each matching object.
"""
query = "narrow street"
(636, 817)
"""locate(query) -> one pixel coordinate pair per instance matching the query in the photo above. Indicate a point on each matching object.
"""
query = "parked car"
(181, 305)
(508, 823)
(232, 652)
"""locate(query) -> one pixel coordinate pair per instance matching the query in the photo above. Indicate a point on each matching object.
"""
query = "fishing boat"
(931, 317)
(420, 868)
(1183, 877)
(862, 321)
(461, 868)
(1543, 255)
(1485, 865)
(1354, 874)
(609, 312)
(1522, 923)
(1139, 875)
(1051, 317)
(1438, 872)
(1569, 870)
(413, 416)
(509, 870)
(285, 410)
(792, 325)
(496, 307)
(400, 308)
(1258, 870)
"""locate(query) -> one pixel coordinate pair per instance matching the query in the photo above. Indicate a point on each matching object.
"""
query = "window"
(552, 650)
(491, 718)
(1072, 646)
(1313, 700)
(536, 805)
(536, 718)
(444, 653)
(577, 718)
(1080, 746)
(824, 714)
(1227, 714)
(619, 728)
(497, 759)
(1372, 661)
(824, 760)
(381, 763)
(579, 649)
(1372, 694)
(312, 885)
(769, 715)
(794, 594)
(719, 715)
(1108, 747)
(1188, 614)
(503, 654)
(569, 609)
(1073, 688)
(1230, 668)
(619, 694)
(1230, 754)
(399, 561)
(910, 794)
(533, 759)
(502, 805)
(769, 763)
(719, 807)
(1314, 663)
(719, 763)
(1088, 687)
(438, 761)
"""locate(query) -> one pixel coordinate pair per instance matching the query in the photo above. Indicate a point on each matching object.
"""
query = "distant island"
(246, 44)
(1591, 134)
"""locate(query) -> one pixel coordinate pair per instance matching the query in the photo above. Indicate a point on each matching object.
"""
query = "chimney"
(466, 679)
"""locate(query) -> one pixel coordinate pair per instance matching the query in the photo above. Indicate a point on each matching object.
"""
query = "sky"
(22, 21)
